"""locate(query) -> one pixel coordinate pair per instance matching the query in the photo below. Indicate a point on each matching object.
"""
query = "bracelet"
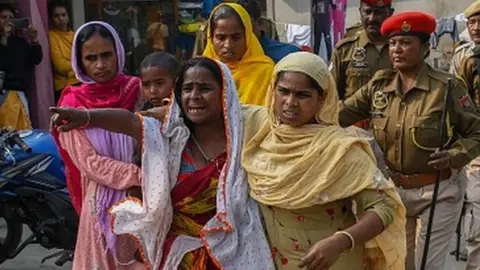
(347, 234)
(84, 126)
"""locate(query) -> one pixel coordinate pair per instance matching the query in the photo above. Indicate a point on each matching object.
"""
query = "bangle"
(347, 234)
(84, 126)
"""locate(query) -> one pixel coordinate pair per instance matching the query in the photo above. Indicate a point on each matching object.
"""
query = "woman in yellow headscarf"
(231, 40)
(305, 171)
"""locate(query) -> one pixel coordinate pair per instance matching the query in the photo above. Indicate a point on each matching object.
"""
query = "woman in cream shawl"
(306, 171)
(231, 40)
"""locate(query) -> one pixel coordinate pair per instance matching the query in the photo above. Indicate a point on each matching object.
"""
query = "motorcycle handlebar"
(22, 144)
(12, 138)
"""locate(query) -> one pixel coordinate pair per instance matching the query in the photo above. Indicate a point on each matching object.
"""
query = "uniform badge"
(406, 27)
(465, 102)
(380, 100)
(359, 56)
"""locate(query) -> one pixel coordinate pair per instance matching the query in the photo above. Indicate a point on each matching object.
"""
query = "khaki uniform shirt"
(468, 72)
(460, 53)
(200, 40)
(353, 30)
(407, 126)
(354, 62)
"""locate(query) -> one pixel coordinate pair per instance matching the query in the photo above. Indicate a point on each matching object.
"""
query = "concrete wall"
(78, 13)
(289, 11)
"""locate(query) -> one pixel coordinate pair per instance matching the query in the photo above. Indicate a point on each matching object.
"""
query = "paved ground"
(30, 259)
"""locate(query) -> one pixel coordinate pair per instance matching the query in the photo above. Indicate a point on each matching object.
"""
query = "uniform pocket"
(425, 132)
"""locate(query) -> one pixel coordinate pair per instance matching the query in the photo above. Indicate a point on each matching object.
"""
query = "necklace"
(201, 150)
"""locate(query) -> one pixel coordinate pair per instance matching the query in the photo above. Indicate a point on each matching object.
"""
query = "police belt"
(412, 181)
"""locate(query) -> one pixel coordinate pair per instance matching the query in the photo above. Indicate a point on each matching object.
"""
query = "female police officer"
(405, 106)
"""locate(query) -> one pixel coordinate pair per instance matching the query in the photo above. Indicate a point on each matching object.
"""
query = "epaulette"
(461, 45)
(204, 25)
(443, 77)
(346, 40)
(384, 74)
(353, 26)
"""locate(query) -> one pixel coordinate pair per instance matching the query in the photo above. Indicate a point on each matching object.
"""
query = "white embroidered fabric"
(235, 236)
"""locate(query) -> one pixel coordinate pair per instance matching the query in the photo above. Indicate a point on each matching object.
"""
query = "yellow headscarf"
(299, 167)
(253, 72)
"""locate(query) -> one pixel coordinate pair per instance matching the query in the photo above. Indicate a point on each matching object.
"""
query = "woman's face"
(60, 18)
(296, 99)
(157, 84)
(201, 96)
(99, 59)
(229, 40)
(6, 25)
(406, 52)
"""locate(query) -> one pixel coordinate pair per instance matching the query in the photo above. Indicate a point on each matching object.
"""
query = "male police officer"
(466, 65)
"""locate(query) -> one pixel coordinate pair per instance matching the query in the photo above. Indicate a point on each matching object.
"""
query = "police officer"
(353, 30)
(405, 105)
(465, 48)
(355, 59)
(469, 70)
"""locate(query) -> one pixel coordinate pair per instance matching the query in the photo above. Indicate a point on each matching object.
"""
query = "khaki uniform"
(354, 61)
(461, 51)
(468, 71)
(200, 40)
(353, 30)
(407, 128)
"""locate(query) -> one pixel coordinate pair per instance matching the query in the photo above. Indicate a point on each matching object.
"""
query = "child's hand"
(157, 112)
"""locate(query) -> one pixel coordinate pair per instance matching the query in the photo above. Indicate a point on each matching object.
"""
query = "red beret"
(378, 3)
(407, 23)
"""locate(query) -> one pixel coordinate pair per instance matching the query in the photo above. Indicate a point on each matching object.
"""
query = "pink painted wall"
(40, 96)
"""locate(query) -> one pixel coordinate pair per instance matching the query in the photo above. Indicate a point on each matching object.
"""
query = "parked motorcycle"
(33, 192)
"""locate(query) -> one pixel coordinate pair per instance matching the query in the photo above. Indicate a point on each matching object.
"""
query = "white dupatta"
(235, 236)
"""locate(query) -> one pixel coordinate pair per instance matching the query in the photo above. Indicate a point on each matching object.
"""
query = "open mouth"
(289, 114)
(196, 109)
(228, 54)
(155, 101)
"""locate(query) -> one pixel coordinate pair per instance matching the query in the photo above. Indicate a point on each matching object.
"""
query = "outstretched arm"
(115, 120)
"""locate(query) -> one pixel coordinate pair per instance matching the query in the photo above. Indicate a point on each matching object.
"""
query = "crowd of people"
(248, 157)
(19, 55)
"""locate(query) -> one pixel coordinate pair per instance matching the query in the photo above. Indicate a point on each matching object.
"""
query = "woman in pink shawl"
(99, 163)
